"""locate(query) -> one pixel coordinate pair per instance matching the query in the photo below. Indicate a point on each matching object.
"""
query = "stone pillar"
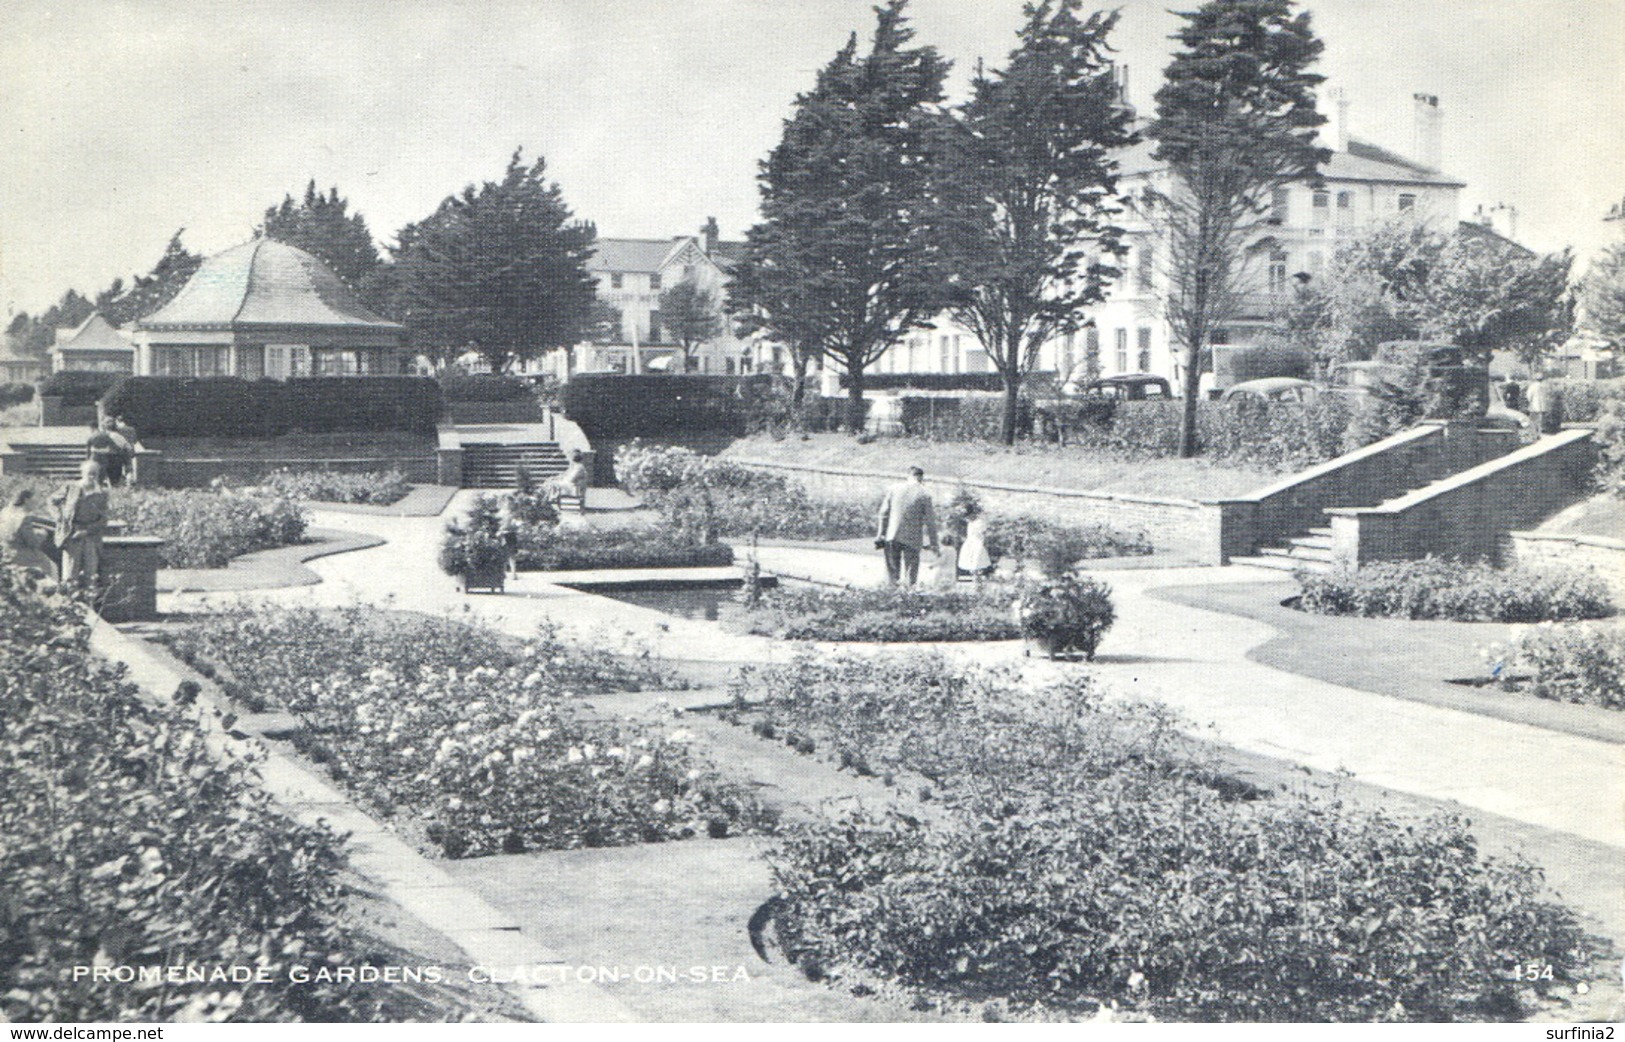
(147, 468)
(129, 577)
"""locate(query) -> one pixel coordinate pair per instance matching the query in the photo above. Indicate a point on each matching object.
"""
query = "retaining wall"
(1363, 478)
(154, 467)
(1470, 514)
(1593, 553)
(1177, 526)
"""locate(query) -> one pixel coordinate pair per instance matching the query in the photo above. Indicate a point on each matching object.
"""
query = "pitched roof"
(265, 282)
(93, 334)
(1362, 161)
(650, 255)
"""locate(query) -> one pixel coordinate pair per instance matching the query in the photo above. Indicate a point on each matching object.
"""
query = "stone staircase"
(1311, 551)
(496, 464)
(59, 462)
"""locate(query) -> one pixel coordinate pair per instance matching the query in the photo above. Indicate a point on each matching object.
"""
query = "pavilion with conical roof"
(267, 309)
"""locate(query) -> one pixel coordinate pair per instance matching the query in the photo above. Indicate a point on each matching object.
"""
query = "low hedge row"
(943, 381)
(885, 615)
(552, 548)
(609, 405)
(206, 529)
(226, 406)
(1435, 588)
(484, 387)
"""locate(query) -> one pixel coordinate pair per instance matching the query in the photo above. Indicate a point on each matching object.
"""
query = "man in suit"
(907, 521)
(81, 521)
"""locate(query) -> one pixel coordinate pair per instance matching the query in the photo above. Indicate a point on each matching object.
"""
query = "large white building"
(1363, 186)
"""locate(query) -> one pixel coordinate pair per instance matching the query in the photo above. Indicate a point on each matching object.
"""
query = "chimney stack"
(1428, 144)
(1340, 120)
(710, 232)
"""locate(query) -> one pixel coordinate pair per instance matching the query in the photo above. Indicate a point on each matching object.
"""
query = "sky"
(122, 121)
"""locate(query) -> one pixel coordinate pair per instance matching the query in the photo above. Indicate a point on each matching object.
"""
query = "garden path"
(1193, 659)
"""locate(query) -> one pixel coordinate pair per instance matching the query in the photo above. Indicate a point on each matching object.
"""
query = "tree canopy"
(1602, 292)
(1407, 281)
(1029, 190)
(500, 268)
(691, 315)
(843, 260)
(323, 226)
(1235, 120)
(151, 291)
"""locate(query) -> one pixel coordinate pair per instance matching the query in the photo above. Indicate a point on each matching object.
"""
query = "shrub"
(1086, 854)
(1433, 588)
(1068, 614)
(1610, 438)
(1259, 361)
(650, 546)
(1583, 401)
(1056, 547)
(227, 406)
(1578, 663)
(477, 546)
(471, 740)
(378, 488)
(886, 614)
(124, 841)
(707, 498)
(484, 387)
(206, 529)
(15, 394)
(79, 387)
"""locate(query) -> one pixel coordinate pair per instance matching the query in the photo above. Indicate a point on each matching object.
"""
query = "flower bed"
(547, 548)
(712, 497)
(206, 529)
(1055, 547)
(1083, 856)
(377, 487)
(1577, 663)
(1464, 592)
(887, 614)
(467, 739)
(123, 843)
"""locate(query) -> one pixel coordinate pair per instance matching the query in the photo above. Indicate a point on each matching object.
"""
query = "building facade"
(631, 275)
(95, 344)
(267, 309)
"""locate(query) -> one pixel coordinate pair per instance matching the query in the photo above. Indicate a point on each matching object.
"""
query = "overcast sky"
(124, 121)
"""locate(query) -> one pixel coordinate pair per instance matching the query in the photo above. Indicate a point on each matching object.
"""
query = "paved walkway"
(1192, 659)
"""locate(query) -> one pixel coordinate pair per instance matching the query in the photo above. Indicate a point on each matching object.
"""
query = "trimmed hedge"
(609, 405)
(943, 381)
(589, 549)
(79, 387)
(1433, 588)
(484, 387)
(228, 406)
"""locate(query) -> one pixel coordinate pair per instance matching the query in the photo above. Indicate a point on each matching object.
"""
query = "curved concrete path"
(1192, 659)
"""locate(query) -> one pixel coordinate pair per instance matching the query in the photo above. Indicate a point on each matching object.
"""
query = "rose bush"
(1582, 663)
(1434, 588)
(885, 614)
(1069, 614)
(207, 528)
(476, 744)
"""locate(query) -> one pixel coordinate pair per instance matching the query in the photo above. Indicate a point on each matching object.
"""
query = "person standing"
(1539, 399)
(973, 557)
(25, 534)
(81, 521)
(907, 522)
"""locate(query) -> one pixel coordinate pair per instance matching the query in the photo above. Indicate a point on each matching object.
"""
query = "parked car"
(1132, 387)
(1271, 389)
(1377, 378)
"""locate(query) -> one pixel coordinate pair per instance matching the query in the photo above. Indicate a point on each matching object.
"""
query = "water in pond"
(688, 602)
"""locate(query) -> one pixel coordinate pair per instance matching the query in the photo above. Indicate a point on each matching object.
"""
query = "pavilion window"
(251, 361)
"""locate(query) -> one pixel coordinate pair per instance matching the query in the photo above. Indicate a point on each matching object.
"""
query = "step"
(1298, 553)
(1282, 564)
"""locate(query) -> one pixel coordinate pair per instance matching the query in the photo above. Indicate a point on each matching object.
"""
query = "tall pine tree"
(500, 269)
(843, 260)
(1235, 121)
(1031, 186)
(322, 225)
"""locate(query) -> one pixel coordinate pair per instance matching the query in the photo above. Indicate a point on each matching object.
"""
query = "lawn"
(1070, 467)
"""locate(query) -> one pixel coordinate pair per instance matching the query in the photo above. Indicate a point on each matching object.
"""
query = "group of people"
(908, 524)
(65, 542)
(112, 444)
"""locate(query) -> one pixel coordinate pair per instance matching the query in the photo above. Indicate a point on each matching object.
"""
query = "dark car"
(1131, 387)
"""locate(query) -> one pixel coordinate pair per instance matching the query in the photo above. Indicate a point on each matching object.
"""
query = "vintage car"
(1131, 387)
(1271, 389)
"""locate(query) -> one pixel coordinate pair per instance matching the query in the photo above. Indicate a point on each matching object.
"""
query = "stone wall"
(1363, 478)
(1594, 553)
(129, 577)
(1180, 527)
(1470, 514)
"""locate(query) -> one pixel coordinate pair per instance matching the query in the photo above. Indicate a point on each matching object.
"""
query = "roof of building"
(1362, 161)
(93, 334)
(264, 282)
(650, 255)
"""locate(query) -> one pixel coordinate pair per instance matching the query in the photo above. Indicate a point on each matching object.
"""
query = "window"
(654, 325)
(1407, 201)
(1143, 335)
(1146, 267)
(1279, 206)
(1323, 203)
(1277, 273)
(1122, 350)
(614, 280)
(1069, 358)
(654, 281)
(1345, 200)
(189, 361)
(250, 361)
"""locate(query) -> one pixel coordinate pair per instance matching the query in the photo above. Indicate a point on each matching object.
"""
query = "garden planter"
(488, 580)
